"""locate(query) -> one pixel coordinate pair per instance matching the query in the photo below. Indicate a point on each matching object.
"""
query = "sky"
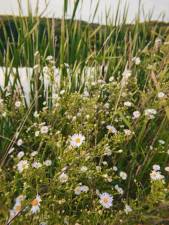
(86, 8)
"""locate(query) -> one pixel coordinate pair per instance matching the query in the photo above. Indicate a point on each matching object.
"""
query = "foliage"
(89, 145)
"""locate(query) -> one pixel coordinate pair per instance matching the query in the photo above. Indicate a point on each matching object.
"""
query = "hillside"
(47, 31)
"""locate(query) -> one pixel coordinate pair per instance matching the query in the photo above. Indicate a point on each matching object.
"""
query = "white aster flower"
(17, 207)
(108, 151)
(37, 133)
(115, 168)
(125, 76)
(136, 114)
(156, 175)
(136, 60)
(107, 105)
(111, 79)
(47, 162)
(161, 95)
(127, 104)
(62, 92)
(81, 189)
(36, 205)
(77, 140)
(111, 129)
(77, 190)
(22, 165)
(83, 169)
(127, 132)
(84, 188)
(106, 200)
(20, 198)
(156, 167)
(34, 153)
(19, 142)
(123, 175)
(119, 189)
(86, 93)
(158, 43)
(63, 178)
(44, 129)
(161, 142)
(120, 151)
(17, 104)
(36, 165)
(98, 168)
(127, 209)
(36, 114)
(20, 154)
(150, 113)
(167, 169)
(49, 58)
(127, 73)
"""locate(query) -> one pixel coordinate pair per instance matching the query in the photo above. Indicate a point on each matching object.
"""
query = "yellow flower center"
(78, 140)
(105, 200)
(18, 208)
(34, 202)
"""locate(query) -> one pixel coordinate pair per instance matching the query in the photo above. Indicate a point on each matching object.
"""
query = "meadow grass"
(91, 144)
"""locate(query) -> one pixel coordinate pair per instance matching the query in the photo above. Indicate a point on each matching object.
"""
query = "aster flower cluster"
(88, 154)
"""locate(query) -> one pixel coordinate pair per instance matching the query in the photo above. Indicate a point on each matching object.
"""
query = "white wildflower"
(127, 132)
(62, 92)
(136, 60)
(111, 79)
(36, 114)
(20, 154)
(156, 175)
(34, 153)
(136, 114)
(119, 189)
(115, 168)
(161, 142)
(77, 140)
(83, 169)
(36, 205)
(106, 200)
(123, 175)
(127, 209)
(17, 104)
(161, 95)
(125, 76)
(156, 167)
(19, 142)
(22, 165)
(44, 129)
(63, 178)
(150, 113)
(37, 133)
(47, 162)
(80, 189)
(36, 165)
(127, 104)
(167, 169)
(111, 129)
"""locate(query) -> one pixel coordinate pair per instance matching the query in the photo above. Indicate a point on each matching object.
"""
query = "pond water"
(8, 75)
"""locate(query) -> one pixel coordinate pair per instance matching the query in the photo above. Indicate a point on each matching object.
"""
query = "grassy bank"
(92, 145)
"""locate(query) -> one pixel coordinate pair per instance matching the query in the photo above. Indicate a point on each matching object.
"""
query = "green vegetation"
(91, 145)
